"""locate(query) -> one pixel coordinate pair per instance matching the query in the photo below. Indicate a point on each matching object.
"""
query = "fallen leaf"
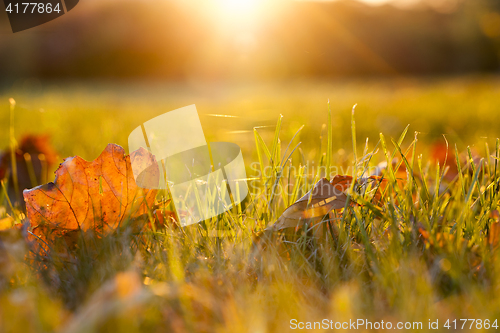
(444, 155)
(324, 197)
(494, 232)
(145, 168)
(34, 156)
(96, 196)
(164, 218)
(380, 185)
(341, 183)
(398, 168)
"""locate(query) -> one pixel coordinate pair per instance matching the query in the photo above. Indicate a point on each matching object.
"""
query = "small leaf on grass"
(33, 158)
(494, 232)
(324, 197)
(96, 196)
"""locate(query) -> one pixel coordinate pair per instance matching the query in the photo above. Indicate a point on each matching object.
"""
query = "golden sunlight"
(238, 7)
(241, 11)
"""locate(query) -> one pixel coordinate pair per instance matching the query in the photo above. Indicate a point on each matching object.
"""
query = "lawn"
(83, 117)
(417, 246)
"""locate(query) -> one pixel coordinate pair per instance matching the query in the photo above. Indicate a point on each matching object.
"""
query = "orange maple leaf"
(97, 195)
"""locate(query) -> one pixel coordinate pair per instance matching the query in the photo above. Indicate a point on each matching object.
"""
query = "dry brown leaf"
(97, 195)
(494, 232)
(341, 182)
(381, 184)
(442, 154)
(34, 156)
(323, 198)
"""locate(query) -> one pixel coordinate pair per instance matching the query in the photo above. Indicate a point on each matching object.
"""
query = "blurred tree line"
(178, 40)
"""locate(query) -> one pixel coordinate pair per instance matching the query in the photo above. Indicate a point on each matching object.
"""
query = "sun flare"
(238, 7)
(237, 10)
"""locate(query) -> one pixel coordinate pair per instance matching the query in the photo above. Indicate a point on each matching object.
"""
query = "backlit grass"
(426, 250)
